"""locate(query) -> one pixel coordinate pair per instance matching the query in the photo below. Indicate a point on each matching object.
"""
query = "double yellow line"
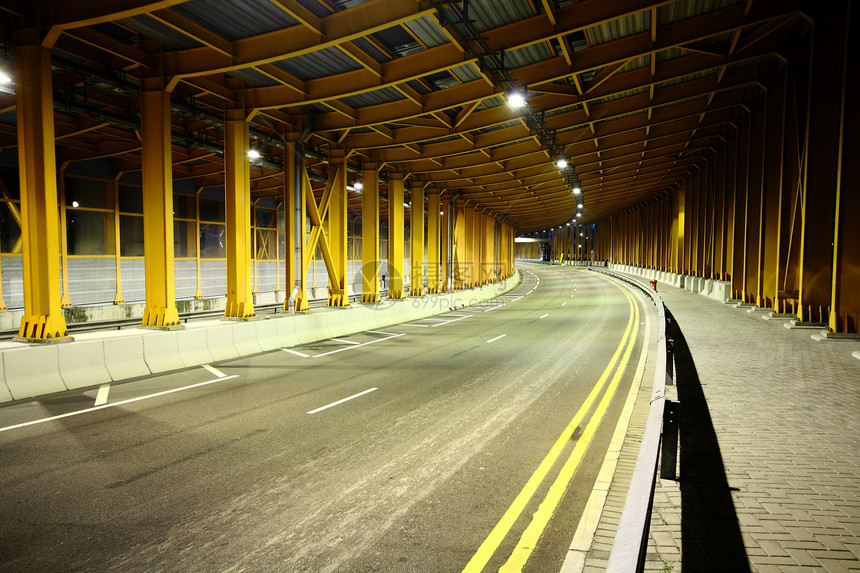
(530, 537)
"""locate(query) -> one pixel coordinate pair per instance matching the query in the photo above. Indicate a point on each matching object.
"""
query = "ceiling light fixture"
(516, 99)
(561, 163)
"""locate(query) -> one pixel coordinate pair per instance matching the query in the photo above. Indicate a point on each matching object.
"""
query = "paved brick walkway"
(769, 477)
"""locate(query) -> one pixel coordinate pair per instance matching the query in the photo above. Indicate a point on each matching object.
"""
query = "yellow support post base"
(43, 329)
(395, 294)
(118, 299)
(160, 317)
(338, 299)
(416, 291)
(239, 310)
(370, 297)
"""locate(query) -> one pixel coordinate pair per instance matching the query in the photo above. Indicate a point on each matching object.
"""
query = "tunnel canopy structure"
(313, 121)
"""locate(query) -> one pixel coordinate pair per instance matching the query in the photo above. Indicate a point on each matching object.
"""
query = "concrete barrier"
(161, 352)
(32, 370)
(193, 347)
(267, 335)
(124, 357)
(706, 287)
(5, 395)
(245, 337)
(722, 290)
(82, 363)
(219, 340)
(286, 328)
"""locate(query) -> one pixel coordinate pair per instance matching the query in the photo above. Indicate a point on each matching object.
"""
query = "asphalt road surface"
(465, 442)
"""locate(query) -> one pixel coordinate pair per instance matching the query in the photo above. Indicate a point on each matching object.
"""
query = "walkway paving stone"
(778, 489)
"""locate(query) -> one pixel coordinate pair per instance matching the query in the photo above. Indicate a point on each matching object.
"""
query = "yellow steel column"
(445, 241)
(486, 249)
(237, 175)
(117, 246)
(64, 241)
(199, 293)
(459, 245)
(728, 240)
(774, 136)
(821, 169)
(337, 228)
(416, 242)
(693, 197)
(434, 204)
(295, 227)
(469, 246)
(396, 225)
(679, 226)
(160, 310)
(787, 263)
(739, 219)
(755, 190)
(43, 317)
(845, 294)
(719, 213)
(370, 233)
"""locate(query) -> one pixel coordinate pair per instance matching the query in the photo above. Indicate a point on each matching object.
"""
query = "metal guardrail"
(631, 540)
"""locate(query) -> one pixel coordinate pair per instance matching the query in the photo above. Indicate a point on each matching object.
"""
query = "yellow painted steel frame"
(445, 240)
(337, 230)
(469, 247)
(117, 247)
(65, 300)
(488, 250)
(294, 244)
(395, 236)
(416, 243)
(317, 214)
(43, 317)
(434, 204)
(459, 250)
(160, 310)
(237, 175)
(370, 233)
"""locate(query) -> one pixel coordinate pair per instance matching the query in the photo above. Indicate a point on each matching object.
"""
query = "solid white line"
(496, 338)
(327, 406)
(418, 325)
(435, 319)
(380, 332)
(120, 403)
(345, 341)
(101, 397)
(495, 307)
(452, 320)
(516, 299)
(544, 316)
(214, 371)
(356, 346)
(295, 352)
(564, 303)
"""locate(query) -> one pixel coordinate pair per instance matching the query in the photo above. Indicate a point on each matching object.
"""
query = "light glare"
(516, 100)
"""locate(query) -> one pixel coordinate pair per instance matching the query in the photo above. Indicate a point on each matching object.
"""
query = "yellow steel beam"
(338, 28)
(69, 15)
